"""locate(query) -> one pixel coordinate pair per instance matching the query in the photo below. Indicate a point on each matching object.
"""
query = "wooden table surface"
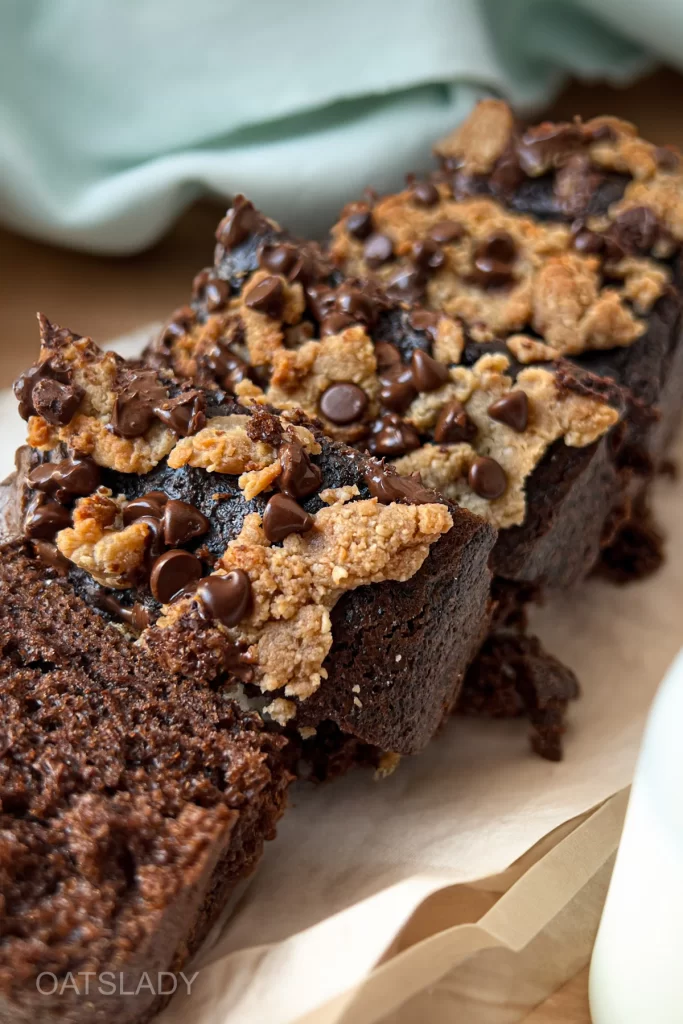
(104, 297)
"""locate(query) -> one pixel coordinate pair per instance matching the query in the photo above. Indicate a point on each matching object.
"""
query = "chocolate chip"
(392, 436)
(50, 369)
(427, 255)
(389, 487)
(397, 389)
(239, 222)
(343, 403)
(283, 516)
(321, 300)
(335, 323)
(507, 175)
(139, 617)
(267, 297)
(378, 249)
(184, 414)
(225, 598)
(45, 518)
(359, 224)
(445, 231)
(300, 476)
(211, 290)
(548, 145)
(356, 303)
(182, 522)
(56, 403)
(310, 265)
(172, 572)
(386, 355)
(155, 540)
(136, 616)
(512, 410)
(487, 478)
(425, 320)
(407, 284)
(278, 258)
(72, 477)
(453, 425)
(428, 373)
(150, 504)
(178, 326)
(493, 261)
(635, 230)
(227, 368)
(424, 193)
(139, 393)
(586, 240)
(50, 555)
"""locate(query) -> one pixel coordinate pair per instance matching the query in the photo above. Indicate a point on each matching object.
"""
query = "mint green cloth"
(115, 114)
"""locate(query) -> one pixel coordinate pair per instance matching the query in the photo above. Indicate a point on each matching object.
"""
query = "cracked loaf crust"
(428, 391)
(132, 803)
(238, 546)
(568, 234)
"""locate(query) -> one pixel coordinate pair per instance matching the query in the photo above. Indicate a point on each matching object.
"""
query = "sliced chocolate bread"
(131, 803)
(248, 549)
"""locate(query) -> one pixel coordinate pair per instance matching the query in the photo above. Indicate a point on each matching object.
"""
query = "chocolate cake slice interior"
(131, 803)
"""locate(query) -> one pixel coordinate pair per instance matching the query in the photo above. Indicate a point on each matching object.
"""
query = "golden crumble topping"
(99, 544)
(576, 316)
(480, 141)
(224, 446)
(295, 586)
(553, 414)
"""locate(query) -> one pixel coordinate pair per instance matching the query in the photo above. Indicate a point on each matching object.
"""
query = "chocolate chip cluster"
(47, 389)
(56, 486)
(494, 258)
(142, 398)
(174, 572)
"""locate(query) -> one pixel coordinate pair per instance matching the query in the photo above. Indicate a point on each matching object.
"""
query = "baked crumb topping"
(385, 375)
(490, 144)
(99, 544)
(479, 142)
(503, 270)
(123, 418)
(294, 587)
(225, 447)
(552, 414)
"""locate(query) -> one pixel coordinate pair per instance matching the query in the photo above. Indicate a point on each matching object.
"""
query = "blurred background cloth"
(116, 115)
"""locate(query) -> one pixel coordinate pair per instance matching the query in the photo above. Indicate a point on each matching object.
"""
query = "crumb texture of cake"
(132, 801)
(228, 557)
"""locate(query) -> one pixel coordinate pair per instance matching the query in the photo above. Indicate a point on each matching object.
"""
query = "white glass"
(637, 969)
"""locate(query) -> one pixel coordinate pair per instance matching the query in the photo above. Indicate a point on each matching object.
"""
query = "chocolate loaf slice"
(533, 450)
(131, 803)
(564, 238)
(247, 549)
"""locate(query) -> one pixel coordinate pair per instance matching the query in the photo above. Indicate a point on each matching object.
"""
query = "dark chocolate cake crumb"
(513, 676)
(132, 802)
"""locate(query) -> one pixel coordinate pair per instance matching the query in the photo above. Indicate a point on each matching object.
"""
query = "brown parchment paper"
(357, 861)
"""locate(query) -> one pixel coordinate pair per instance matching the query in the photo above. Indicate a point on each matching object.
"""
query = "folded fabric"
(113, 117)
